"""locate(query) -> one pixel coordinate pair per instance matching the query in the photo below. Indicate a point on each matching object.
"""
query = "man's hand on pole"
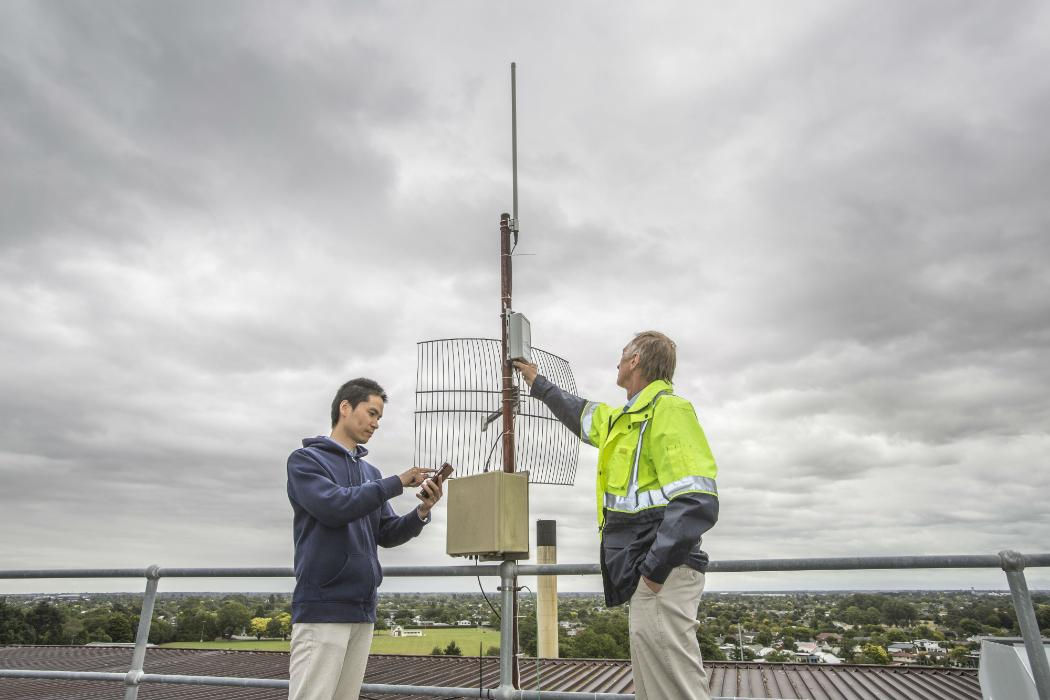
(527, 369)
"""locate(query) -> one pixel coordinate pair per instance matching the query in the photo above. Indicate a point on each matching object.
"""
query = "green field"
(466, 638)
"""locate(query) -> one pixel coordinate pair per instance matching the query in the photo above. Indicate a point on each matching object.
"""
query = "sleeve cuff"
(425, 520)
(657, 573)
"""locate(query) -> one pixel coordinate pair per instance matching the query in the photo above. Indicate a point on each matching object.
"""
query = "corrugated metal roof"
(728, 679)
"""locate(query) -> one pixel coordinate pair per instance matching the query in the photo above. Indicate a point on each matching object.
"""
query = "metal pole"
(131, 681)
(507, 642)
(1013, 564)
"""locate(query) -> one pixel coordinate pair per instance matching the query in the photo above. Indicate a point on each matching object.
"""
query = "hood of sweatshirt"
(323, 442)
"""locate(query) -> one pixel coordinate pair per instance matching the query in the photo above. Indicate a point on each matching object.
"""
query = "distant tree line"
(606, 635)
(747, 622)
(189, 620)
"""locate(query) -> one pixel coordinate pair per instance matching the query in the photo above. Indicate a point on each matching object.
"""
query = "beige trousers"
(665, 655)
(328, 660)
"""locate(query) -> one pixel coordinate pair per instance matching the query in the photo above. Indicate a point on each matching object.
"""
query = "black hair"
(355, 391)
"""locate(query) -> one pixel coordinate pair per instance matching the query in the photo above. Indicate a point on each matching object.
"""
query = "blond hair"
(656, 355)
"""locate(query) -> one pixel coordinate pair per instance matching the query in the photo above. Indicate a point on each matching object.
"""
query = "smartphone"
(443, 473)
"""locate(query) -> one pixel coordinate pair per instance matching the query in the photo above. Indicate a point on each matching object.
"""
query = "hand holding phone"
(443, 473)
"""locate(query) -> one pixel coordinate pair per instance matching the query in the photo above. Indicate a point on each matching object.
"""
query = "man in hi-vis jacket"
(656, 497)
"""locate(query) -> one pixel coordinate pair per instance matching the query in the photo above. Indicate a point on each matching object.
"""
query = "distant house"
(816, 657)
(929, 646)
(400, 631)
(464, 623)
(729, 649)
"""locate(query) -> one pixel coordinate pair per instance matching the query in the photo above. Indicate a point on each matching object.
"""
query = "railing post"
(138, 658)
(1013, 564)
(508, 572)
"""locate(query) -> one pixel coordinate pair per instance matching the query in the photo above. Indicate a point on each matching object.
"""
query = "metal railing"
(1012, 563)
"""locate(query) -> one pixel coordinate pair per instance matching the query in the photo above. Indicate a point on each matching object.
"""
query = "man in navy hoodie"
(341, 512)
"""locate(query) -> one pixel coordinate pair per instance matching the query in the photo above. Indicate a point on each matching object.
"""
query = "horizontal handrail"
(934, 561)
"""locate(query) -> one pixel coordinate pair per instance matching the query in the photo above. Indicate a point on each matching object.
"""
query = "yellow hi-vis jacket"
(656, 487)
(648, 453)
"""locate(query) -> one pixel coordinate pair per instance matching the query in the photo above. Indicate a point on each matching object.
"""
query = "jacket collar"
(646, 395)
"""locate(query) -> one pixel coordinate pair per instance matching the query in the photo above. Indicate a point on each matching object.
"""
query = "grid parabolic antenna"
(458, 420)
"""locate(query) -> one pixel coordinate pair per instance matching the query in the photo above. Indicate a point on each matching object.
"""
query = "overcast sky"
(211, 216)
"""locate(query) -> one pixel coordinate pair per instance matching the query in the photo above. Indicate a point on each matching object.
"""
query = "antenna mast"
(509, 226)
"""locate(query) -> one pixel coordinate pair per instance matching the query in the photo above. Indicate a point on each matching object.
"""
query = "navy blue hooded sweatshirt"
(341, 514)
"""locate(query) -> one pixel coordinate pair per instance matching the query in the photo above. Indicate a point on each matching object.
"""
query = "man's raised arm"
(565, 406)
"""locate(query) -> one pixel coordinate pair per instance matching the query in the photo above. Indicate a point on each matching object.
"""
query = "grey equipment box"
(488, 516)
(519, 337)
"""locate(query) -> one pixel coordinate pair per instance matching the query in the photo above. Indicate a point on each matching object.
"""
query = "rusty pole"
(508, 368)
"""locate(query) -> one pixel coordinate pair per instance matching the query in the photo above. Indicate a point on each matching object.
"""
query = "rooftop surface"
(728, 679)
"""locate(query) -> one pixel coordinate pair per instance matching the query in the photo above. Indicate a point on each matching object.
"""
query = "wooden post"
(547, 595)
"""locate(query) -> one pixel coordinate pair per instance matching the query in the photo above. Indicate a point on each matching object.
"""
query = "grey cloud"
(144, 102)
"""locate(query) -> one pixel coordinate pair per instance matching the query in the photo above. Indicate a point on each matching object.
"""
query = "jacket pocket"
(377, 572)
(678, 459)
(623, 550)
(329, 578)
(356, 581)
(618, 468)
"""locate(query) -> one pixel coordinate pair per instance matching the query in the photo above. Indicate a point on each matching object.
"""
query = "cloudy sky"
(210, 217)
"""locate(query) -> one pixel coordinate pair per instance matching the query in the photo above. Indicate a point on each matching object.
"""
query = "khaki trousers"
(328, 660)
(665, 655)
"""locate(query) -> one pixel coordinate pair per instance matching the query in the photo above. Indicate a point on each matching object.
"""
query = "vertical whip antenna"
(514, 145)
